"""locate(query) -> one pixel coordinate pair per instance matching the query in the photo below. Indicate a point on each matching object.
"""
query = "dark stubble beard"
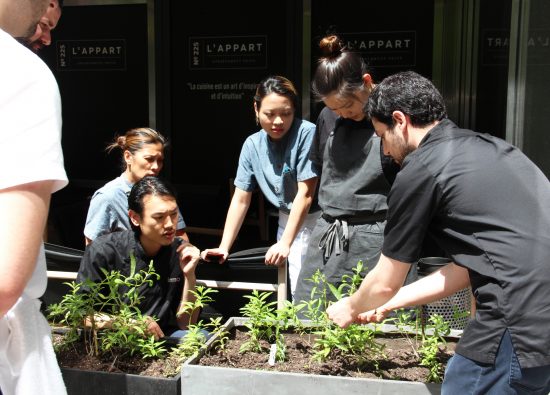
(403, 149)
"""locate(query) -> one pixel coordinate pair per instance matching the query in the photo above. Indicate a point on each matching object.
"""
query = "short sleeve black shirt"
(488, 207)
(112, 252)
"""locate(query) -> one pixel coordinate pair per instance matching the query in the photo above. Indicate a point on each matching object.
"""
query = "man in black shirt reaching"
(488, 207)
(153, 215)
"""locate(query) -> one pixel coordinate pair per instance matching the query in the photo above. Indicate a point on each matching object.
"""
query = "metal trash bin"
(451, 308)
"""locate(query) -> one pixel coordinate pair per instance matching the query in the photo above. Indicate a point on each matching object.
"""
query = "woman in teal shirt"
(275, 159)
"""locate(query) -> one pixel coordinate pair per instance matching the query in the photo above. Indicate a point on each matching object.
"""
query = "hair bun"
(121, 142)
(331, 46)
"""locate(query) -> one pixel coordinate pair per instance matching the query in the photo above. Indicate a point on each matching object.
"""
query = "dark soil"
(400, 363)
(78, 358)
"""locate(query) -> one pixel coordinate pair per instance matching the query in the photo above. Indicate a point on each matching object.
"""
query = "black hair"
(148, 185)
(410, 93)
(279, 85)
(339, 71)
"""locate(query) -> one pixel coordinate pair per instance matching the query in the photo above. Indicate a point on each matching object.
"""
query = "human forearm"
(189, 258)
(380, 285)
(98, 321)
(279, 252)
(440, 284)
(374, 291)
(105, 321)
(184, 316)
(235, 217)
(300, 208)
(24, 210)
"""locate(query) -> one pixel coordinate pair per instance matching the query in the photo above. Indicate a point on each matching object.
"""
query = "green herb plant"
(120, 332)
(322, 290)
(262, 323)
(195, 339)
(267, 323)
(430, 348)
(357, 343)
(315, 307)
(426, 340)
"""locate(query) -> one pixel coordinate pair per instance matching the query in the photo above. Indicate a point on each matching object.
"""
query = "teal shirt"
(108, 211)
(276, 167)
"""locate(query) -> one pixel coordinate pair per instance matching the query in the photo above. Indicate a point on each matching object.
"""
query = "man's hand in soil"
(153, 328)
(342, 313)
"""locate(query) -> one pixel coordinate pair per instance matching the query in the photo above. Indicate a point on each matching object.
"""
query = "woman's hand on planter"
(277, 254)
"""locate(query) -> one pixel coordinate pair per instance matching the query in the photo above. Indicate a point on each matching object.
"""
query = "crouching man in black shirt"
(487, 206)
(153, 214)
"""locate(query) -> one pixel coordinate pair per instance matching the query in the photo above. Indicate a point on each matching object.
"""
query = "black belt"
(332, 240)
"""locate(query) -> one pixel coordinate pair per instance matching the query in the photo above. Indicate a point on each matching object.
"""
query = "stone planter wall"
(196, 379)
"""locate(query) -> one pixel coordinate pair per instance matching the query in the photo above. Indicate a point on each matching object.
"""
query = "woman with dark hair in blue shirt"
(275, 160)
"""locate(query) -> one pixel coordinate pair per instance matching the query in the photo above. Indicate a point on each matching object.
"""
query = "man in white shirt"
(31, 150)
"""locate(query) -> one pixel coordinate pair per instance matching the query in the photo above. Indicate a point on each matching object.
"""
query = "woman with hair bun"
(142, 155)
(356, 175)
(275, 159)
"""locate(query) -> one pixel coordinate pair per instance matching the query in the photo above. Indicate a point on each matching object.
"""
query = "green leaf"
(337, 293)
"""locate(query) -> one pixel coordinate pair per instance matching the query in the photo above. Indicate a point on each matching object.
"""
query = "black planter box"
(86, 382)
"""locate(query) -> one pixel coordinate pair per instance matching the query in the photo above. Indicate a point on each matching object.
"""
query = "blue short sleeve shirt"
(276, 167)
(108, 211)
